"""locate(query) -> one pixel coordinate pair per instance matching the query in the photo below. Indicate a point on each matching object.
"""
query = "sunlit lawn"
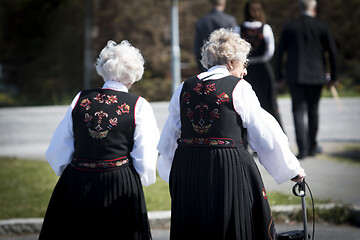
(26, 187)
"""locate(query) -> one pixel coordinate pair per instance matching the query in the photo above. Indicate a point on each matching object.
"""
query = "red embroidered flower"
(223, 97)
(124, 108)
(209, 88)
(100, 98)
(264, 194)
(111, 99)
(198, 88)
(85, 103)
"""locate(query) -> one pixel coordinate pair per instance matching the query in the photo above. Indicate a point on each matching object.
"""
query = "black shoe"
(315, 150)
(301, 156)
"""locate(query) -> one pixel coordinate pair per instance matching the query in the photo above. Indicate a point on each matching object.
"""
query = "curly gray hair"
(120, 62)
(224, 46)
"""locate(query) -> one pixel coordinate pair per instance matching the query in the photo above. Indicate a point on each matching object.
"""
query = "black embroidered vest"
(207, 113)
(256, 38)
(104, 124)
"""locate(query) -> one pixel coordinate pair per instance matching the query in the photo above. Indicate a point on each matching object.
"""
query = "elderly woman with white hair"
(103, 150)
(215, 186)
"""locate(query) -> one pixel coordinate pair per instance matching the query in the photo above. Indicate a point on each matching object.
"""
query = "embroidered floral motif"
(100, 98)
(124, 108)
(212, 142)
(111, 99)
(186, 97)
(204, 89)
(112, 122)
(86, 104)
(101, 130)
(223, 97)
(204, 115)
(264, 194)
(88, 119)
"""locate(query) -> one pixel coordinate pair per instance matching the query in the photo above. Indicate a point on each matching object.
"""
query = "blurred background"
(43, 43)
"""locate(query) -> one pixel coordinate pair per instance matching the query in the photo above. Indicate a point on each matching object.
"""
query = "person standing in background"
(260, 72)
(214, 20)
(306, 40)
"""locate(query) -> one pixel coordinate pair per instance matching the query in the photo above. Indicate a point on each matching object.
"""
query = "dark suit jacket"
(206, 25)
(306, 40)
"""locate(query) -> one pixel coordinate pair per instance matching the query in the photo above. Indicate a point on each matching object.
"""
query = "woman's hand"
(300, 177)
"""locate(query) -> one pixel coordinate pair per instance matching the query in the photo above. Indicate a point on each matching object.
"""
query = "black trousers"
(305, 103)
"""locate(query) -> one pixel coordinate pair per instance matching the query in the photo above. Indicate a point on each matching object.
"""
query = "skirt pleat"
(218, 193)
(97, 205)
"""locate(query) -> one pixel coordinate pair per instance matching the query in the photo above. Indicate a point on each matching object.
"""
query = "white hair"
(120, 62)
(223, 46)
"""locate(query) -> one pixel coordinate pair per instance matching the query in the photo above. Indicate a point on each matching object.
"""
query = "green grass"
(26, 187)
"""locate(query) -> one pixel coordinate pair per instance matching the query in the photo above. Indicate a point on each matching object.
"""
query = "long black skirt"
(97, 205)
(218, 193)
(262, 79)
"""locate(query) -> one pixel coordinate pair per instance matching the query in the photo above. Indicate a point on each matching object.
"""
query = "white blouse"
(146, 136)
(265, 135)
(268, 38)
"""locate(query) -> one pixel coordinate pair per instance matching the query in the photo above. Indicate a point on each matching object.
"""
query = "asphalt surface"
(323, 232)
(26, 132)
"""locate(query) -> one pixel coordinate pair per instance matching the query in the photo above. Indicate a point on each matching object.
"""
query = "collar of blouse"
(115, 86)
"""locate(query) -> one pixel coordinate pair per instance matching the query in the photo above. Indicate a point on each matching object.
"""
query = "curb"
(161, 219)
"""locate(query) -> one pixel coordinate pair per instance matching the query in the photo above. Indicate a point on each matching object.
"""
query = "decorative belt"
(206, 142)
(99, 165)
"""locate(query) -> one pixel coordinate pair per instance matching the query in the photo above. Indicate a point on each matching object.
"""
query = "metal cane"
(302, 193)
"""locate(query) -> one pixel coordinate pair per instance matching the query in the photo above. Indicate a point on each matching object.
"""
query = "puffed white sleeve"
(168, 139)
(61, 148)
(265, 135)
(146, 137)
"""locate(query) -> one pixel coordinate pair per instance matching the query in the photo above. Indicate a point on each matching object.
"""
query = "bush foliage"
(42, 42)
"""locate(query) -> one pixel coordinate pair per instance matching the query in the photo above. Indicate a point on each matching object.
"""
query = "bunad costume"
(104, 149)
(260, 72)
(215, 186)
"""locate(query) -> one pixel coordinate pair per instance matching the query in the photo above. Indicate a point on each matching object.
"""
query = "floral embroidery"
(101, 130)
(203, 111)
(211, 142)
(264, 194)
(112, 122)
(186, 97)
(111, 99)
(100, 98)
(86, 104)
(124, 108)
(222, 98)
(204, 89)
(88, 119)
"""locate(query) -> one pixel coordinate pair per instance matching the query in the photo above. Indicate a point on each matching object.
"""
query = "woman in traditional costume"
(261, 76)
(104, 150)
(215, 186)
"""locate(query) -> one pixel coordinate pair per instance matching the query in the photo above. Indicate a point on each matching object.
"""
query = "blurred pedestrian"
(215, 186)
(103, 150)
(216, 19)
(260, 72)
(306, 40)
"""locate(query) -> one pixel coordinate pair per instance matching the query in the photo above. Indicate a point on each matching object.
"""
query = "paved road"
(26, 132)
(323, 232)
